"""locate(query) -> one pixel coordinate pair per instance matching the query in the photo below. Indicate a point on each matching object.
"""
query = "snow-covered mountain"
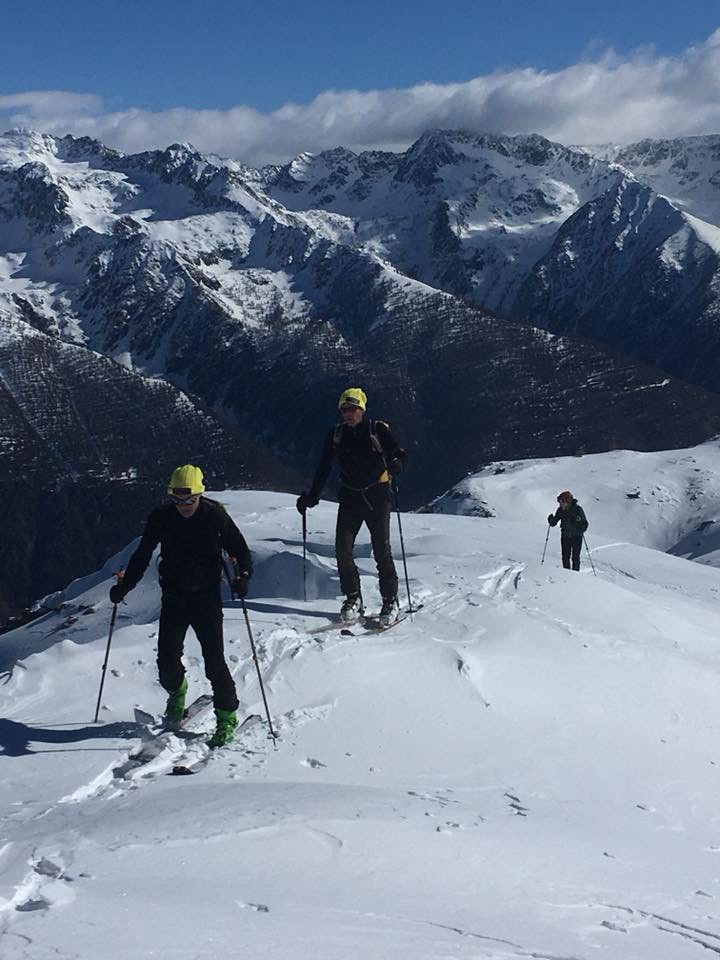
(527, 769)
(466, 213)
(180, 266)
(686, 171)
(200, 272)
(632, 271)
(621, 244)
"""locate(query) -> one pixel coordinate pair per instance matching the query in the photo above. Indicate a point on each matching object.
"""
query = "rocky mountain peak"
(26, 141)
(420, 164)
(36, 196)
(85, 149)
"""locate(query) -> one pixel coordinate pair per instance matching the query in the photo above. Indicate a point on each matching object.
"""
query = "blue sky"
(215, 54)
(264, 82)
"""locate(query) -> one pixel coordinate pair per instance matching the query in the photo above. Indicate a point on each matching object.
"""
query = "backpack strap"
(378, 448)
(374, 439)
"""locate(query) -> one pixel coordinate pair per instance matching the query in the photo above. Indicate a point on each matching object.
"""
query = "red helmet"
(565, 495)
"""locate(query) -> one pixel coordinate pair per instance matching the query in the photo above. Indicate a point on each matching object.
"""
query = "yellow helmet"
(186, 480)
(353, 395)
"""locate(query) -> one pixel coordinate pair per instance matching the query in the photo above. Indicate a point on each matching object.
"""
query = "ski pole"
(254, 653)
(259, 675)
(304, 532)
(589, 556)
(547, 537)
(402, 546)
(107, 654)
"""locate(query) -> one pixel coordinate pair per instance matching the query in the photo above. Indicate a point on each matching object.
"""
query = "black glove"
(551, 519)
(395, 467)
(240, 584)
(117, 593)
(305, 501)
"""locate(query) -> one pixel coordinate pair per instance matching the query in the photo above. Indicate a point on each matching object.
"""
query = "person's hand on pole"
(118, 591)
(306, 501)
(240, 584)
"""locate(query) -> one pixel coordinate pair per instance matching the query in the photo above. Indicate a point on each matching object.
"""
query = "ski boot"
(389, 612)
(226, 726)
(352, 608)
(175, 707)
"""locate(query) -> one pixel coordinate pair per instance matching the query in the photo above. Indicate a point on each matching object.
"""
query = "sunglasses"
(349, 407)
(184, 501)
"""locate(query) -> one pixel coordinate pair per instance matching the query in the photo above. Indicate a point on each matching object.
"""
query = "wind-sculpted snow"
(527, 769)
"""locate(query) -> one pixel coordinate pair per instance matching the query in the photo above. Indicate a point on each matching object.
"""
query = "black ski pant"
(203, 612)
(571, 547)
(376, 517)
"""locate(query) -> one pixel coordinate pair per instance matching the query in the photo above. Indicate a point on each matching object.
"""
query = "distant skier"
(192, 530)
(368, 456)
(573, 524)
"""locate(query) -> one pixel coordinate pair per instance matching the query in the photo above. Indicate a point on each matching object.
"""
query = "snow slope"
(667, 499)
(529, 769)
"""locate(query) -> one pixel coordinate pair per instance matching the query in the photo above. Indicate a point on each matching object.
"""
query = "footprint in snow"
(46, 868)
(312, 762)
(516, 805)
(257, 907)
(38, 903)
(49, 877)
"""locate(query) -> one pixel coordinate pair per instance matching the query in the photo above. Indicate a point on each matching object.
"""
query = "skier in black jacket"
(368, 456)
(192, 532)
(573, 524)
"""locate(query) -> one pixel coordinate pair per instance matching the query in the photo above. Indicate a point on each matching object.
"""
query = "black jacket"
(361, 465)
(573, 522)
(190, 548)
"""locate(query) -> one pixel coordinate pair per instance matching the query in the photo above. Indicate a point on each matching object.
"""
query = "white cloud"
(608, 99)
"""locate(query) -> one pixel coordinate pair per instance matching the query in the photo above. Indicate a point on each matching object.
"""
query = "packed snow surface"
(528, 768)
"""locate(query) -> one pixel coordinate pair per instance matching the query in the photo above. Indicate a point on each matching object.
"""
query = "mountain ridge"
(183, 267)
